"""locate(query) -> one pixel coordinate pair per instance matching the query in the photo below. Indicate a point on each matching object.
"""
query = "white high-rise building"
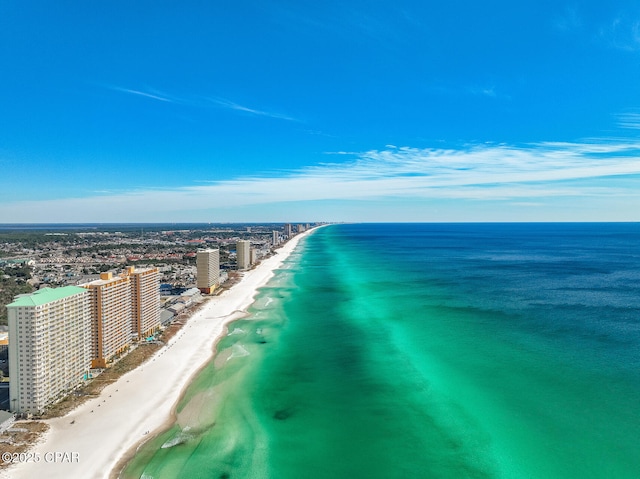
(276, 238)
(243, 254)
(208, 265)
(50, 338)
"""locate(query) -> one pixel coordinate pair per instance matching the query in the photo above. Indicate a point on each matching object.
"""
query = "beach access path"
(91, 440)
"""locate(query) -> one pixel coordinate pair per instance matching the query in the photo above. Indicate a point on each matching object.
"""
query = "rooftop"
(46, 295)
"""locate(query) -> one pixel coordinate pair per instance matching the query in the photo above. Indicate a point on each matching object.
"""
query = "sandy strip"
(105, 428)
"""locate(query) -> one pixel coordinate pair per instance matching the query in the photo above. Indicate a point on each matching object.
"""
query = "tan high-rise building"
(243, 254)
(50, 335)
(145, 294)
(112, 317)
(275, 238)
(208, 266)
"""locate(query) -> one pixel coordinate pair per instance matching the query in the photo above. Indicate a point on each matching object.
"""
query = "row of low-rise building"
(56, 335)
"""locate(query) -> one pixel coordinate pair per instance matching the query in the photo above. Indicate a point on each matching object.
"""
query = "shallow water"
(435, 351)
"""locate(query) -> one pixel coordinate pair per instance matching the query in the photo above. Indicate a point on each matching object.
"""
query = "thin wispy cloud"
(569, 21)
(200, 102)
(245, 109)
(527, 174)
(478, 90)
(486, 91)
(629, 120)
(141, 93)
(622, 33)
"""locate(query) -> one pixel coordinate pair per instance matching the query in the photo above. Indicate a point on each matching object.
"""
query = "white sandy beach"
(105, 428)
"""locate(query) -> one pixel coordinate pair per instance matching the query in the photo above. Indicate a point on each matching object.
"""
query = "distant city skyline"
(330, 111)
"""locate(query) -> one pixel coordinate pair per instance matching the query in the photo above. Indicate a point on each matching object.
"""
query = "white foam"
(238, 351)
(181, 438)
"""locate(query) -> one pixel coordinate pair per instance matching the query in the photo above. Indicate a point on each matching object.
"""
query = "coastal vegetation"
(21, 436)
(13, 281)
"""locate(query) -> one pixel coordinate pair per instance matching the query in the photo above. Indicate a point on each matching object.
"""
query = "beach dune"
(92, 440)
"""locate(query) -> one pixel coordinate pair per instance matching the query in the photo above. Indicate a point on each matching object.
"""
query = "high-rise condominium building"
(288, 230)
(243, 254)
(112, 317)
(50, 337)
(125, 308)
(208, 265)
(145, 294)
(276, 238)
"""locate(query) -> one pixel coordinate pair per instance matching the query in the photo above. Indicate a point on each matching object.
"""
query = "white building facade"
(50, 339)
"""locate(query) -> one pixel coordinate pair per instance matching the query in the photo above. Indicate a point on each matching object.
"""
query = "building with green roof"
(45, 295)
(50, 344)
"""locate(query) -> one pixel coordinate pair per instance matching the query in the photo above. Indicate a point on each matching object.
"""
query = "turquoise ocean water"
(426, 351)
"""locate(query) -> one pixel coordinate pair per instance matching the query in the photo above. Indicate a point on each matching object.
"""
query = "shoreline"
(118, 468)
(100, 436)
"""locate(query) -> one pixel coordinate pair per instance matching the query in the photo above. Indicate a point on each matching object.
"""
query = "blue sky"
(319, 111)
